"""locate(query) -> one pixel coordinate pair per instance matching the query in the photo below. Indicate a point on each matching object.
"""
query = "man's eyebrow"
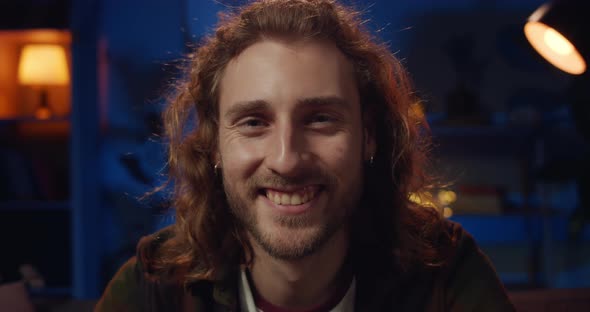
(245, 107)
(242, 108)
(325, 101)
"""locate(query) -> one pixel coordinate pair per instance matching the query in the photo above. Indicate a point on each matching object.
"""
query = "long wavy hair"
(205, 237)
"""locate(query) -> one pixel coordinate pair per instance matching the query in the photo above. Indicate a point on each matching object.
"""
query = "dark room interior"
(80, 147)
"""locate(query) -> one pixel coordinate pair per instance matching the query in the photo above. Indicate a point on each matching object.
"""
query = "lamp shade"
(43, 64)
(559, 32)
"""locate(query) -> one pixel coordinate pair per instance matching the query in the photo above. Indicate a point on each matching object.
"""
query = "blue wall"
(139, 43)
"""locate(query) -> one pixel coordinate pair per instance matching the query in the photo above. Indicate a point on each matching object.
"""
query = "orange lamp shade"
(558, 31)
(43, 65)
(555, 48)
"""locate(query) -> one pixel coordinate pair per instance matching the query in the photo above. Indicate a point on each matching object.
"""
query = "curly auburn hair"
(205, 237)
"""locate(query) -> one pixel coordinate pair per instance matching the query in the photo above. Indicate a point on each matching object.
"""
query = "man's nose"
(287, 151)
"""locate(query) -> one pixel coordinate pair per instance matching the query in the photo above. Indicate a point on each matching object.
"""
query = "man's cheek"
(239, 160)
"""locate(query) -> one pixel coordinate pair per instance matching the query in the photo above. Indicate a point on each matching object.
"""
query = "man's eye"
(252, 123)
(321, 118)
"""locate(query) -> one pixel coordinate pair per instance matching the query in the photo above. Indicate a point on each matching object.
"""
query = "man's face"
(291, 144)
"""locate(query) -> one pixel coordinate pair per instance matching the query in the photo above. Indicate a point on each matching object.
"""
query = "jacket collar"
(225, 288)
(377, 276)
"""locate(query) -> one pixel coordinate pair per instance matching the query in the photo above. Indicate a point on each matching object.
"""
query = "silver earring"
(216, 167)
(371, 160)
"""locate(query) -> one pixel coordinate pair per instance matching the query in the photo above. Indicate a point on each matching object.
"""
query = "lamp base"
(43, 112)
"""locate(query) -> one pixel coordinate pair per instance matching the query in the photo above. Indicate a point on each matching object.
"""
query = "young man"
(292, 190)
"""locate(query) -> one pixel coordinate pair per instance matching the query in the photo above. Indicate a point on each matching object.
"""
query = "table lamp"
(41, 66)
(558, 30)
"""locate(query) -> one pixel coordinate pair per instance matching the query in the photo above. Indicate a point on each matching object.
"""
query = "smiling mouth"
(292, 197)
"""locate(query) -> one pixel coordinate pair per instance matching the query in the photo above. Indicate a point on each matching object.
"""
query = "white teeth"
(296, 198)
(285, 199)
(305, 197)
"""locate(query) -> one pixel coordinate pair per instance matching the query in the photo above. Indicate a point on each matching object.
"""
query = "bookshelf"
(523, 229)
(35, 170)
(35, 198)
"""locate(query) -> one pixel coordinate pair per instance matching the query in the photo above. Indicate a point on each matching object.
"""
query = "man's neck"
(302, 283)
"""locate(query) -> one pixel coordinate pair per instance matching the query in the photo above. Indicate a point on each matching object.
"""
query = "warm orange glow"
(42, 65)
(447, 197)
(43, 113)
(38, 35)
(557, 42)
(5, 109)
(422, 199)
(49, 128)
(417, 110)
(447, 212)
(555, 48)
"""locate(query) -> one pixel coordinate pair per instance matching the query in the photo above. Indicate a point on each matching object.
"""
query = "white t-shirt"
(247, 304)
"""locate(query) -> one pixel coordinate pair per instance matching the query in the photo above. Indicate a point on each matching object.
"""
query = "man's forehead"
(297, 70)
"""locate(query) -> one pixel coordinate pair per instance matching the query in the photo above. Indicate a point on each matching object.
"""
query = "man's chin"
(292, 243)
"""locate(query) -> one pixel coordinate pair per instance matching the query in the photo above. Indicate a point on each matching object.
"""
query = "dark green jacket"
(467, 283)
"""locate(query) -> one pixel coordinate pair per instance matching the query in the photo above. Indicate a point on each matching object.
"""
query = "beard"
(290, 237)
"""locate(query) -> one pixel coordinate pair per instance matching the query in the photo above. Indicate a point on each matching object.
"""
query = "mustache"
(275, 180)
